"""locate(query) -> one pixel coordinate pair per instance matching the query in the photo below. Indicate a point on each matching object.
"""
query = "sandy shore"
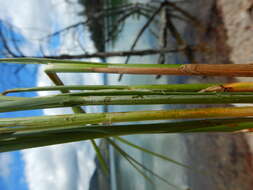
(226, 157)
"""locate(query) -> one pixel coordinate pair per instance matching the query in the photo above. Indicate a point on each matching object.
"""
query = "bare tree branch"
(180, 41)
(14, 42)
(5, 44)
(95, 16)
(119, 21)
(123, 53)
(145, 26)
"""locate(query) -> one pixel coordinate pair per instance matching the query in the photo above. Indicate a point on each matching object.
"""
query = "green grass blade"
(54, 66)
(166, 87)
(130, 161)
(57, 101)
(125, 155)
(116, 117)
(100, 157)
(10, 98)
(122, 140)
(243, 70)
(23, 140)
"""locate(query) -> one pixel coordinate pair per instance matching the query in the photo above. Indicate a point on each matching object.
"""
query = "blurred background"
(126, 31)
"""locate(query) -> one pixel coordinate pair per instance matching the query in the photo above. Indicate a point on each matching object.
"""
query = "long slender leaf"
(100, 157)
(54, 66)
(245, 70)
(128, 157)
(167, 87)
(30, 139)
(115, 117)
(71, 101)
(143, 92)
(122, 140)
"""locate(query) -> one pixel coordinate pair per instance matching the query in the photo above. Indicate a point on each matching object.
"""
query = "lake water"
(171, 145)
(220, 155)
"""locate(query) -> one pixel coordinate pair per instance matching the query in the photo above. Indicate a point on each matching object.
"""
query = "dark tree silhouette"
(105, 24)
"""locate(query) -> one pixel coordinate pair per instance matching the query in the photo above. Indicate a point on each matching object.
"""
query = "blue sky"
(12, 76)
(26, 76)
(14, 178)
(58, 167)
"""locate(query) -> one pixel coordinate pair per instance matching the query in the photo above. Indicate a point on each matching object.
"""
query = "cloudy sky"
(59, 167)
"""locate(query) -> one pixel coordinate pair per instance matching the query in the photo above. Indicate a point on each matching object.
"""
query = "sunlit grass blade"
(115, 117)
(54, 66)
(166, 87)
(204, 125)
(25, 60)
(245, 70)
(106, 91)
(144, 92)
(11, 98)
(57, 101)
(230, 87)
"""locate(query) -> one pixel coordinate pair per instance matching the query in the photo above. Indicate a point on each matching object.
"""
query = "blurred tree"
(105, 20)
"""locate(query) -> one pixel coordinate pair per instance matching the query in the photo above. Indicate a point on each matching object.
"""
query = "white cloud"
(24, 13)
(5, 162)
(29, 19)
(58, 167)
(36, 19)
(61, 167)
